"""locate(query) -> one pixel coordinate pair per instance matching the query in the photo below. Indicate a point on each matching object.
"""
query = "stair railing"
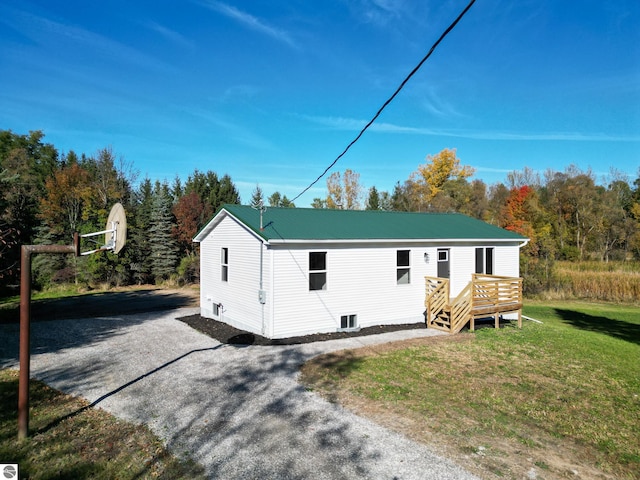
(436, 298)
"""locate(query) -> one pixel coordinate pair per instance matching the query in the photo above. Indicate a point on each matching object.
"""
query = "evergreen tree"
(257, 198)
(277, 200)
(138, 232)
(373, 201)
(164, 254)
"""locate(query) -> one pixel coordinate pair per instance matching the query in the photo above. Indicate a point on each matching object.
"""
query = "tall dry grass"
(609, 282)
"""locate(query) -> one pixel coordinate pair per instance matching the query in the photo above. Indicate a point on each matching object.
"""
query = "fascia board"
(404, 241)
(206, 230)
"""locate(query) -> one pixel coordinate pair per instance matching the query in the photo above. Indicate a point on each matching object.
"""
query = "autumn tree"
(344, 191)
(67, 192)
(430, 178)
(191, 214)
(615, 225)
(523, 215)
(572, 196)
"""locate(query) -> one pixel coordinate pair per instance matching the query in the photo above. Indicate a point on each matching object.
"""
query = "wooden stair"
(484, 296)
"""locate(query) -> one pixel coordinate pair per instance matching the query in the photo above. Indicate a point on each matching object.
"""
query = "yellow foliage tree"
(427, 181)
(344, 191)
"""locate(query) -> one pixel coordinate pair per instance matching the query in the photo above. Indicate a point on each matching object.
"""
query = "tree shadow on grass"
(627, 331)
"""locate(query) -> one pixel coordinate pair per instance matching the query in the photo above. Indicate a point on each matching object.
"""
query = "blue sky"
(271, 92)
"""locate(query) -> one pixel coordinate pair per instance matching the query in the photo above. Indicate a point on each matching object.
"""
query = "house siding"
(238, 295)
(360, 280)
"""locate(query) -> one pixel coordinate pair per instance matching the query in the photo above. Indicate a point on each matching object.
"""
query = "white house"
(295, 271)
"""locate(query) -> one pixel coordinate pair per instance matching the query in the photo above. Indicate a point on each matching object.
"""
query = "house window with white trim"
(317, 270)
(348, 322)
(484, 260)
(224, 264)
(403, 274)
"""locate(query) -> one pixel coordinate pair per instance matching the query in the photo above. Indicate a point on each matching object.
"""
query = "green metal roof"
(308, 224)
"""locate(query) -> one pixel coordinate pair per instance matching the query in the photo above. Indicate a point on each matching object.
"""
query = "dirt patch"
(227, 334)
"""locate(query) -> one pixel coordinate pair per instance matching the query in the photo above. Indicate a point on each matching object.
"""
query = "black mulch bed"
(227, 334)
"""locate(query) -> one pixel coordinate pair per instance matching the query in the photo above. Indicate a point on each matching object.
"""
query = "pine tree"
(164, 253)
(257, 198)
(373, 202)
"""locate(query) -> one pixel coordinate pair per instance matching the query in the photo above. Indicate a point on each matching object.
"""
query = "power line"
(404, 82)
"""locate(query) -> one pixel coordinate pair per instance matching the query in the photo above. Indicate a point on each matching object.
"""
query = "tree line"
(567, 215)
(45, 196)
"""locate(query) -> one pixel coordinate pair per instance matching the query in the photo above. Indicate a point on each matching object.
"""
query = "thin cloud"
(234, 131)
(56, 35)
(351, 124)
(243, 92)
(170, 35)
(377, 12)
(437, 106)
(250, 22)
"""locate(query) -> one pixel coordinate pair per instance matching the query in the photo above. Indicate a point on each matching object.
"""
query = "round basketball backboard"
(117, 222)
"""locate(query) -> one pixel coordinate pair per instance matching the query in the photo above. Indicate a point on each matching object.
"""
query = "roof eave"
(275, 241)
(206, 230)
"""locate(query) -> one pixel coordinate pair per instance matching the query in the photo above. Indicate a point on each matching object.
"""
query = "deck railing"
(485, 295)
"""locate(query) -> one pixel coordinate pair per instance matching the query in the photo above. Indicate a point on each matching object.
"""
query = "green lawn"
(549, 396)
(70, 441)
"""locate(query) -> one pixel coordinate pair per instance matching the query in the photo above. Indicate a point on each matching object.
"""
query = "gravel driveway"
(238, 411)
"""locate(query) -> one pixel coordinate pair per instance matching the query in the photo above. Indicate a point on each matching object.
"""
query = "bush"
(189, 269)
(570, 253)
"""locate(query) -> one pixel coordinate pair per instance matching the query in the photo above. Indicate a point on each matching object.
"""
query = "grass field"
(555, 400)
(71, 441)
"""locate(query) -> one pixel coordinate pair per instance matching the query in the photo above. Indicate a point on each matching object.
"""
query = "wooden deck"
(485, 296)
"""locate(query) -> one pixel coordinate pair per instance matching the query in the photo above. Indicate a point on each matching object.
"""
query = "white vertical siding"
(238, 295)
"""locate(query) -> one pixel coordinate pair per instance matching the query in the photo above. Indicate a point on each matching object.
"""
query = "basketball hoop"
(115, 234)
(115, 238)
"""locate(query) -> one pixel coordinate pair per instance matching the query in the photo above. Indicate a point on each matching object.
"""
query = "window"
(484, 260)
(402, 264)
(224, 263)
(348, 322)
(216, 310)
(317, 270)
